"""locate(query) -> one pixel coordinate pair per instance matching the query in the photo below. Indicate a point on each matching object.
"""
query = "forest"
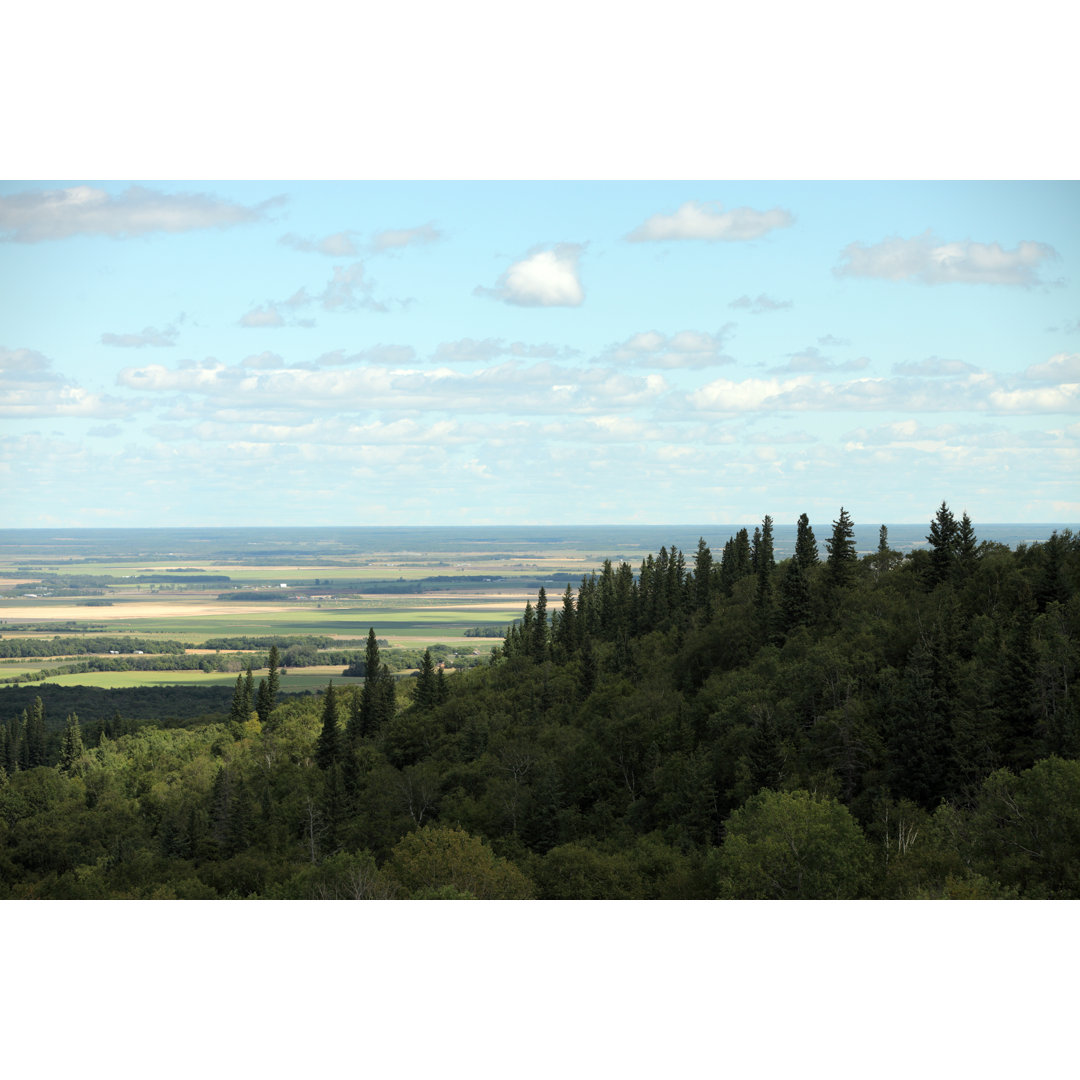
(701, 726)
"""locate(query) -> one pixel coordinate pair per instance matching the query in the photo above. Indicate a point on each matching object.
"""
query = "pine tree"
(249, 692)
(266, 698)
(841, 547)
(587, 676)
(328, 744)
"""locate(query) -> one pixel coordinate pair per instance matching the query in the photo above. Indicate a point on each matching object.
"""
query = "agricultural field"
(147, 584)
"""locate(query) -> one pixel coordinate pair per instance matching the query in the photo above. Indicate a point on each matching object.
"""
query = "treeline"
(12, 647)
(827, 726)
(72, 584)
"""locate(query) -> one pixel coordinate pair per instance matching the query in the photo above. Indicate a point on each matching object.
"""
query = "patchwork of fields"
(417, 599)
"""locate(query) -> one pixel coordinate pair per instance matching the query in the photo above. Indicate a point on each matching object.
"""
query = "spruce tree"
(566, 637)
(806, 549)
(35, 734)
(425, 695)
(841, 547)
(703, 578)
(368, 699)
(967, 553)
(71, 745)
(942, 537)
(539, 641)
(328, 745)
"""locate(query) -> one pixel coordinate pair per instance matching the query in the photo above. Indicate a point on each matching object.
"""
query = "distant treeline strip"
(70, 581)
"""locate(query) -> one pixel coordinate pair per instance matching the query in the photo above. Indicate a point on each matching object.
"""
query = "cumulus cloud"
(264, 361)
(350, 290)
(386, 355)
(539, 388)
(831, 341)
(389, 239)
(929, 260)
(545, 278)
(148, 336)
(32, 216)
(29, 388)
(1062, 367)
(761, 304)
(709, 221)
(686, 349)
(265, 315)
(471, 350)
(933, 367)
(337, 244)
(813, 359)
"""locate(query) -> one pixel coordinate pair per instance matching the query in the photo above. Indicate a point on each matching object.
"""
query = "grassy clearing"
(293, 682)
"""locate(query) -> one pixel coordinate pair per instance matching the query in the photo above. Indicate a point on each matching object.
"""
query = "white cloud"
(830, 340)
(1049, 399)
(398, 238)
(685, 349)
(337, 244)
(31, 216)
(547, 278)
(387, 355)
(933, 367)
(709, 221)
(760, 304)
(470, 350)
(349, 290)
(264, 361)
(927, 259)
(29, 389)
(148, 336)
(263, 316)
(1062, 367)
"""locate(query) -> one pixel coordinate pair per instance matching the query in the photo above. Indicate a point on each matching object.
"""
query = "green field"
(192, 613)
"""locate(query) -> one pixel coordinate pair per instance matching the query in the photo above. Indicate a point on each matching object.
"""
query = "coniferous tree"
(369, 697)
(794, 597)
(942, 537)
(238, 714)
(967, 552)
(249, 692)
(426, 695)
(71, 745)
(328, 745)
(841, 547)
(703, 578)
(566, 635)
(540, 630)
(806, 549)
(35, 734)
(385, 698)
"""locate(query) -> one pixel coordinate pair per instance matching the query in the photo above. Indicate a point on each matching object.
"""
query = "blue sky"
(502, 352)
(445, 273)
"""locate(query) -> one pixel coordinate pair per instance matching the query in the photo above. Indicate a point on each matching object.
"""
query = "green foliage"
(791, 846)
(436, 857)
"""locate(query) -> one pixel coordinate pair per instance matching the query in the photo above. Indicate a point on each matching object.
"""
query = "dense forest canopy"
(703, 725)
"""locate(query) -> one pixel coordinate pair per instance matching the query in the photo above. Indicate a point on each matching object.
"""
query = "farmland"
(144, 584)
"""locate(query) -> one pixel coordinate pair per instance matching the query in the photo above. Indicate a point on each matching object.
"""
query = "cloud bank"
(931, 261)
(32, 216)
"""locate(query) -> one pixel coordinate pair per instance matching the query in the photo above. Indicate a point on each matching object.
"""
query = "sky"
(525, 271)
(486, 352)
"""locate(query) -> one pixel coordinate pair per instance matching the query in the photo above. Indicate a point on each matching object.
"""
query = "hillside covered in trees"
(701, 726)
